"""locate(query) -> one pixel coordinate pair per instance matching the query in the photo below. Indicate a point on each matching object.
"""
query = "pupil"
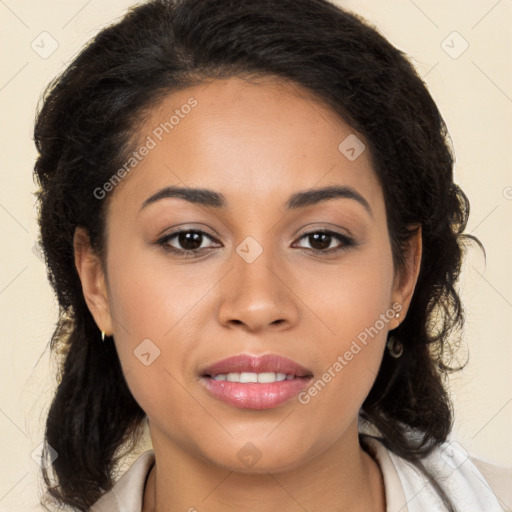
(190, 240)
(323, 245)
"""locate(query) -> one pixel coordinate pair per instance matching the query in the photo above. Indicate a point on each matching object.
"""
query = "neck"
(342, 478)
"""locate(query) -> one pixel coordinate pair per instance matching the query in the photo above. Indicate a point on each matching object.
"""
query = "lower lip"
(255, 395)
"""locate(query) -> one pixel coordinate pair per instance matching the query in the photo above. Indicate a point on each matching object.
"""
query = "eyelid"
(167, 233)
(345, 240)
(164, 239)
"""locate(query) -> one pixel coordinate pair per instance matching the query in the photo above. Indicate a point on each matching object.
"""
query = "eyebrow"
(212, 199)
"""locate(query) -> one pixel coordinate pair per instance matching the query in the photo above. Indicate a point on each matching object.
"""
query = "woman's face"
(254, 286)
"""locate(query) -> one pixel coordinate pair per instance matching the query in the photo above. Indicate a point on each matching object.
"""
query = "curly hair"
(87, 125)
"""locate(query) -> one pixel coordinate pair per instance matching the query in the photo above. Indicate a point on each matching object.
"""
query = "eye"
(188, 240)
(321, 241)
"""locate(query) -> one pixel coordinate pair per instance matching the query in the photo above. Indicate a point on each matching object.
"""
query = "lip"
(256, 395)
(253, 363)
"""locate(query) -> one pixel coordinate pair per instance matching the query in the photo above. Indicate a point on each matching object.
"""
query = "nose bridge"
(257, 295)
(255, 267)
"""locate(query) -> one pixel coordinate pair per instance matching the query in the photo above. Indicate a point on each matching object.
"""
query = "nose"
(258, 295)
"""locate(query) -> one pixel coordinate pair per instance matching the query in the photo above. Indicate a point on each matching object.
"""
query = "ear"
(88, 265)
(406, 278)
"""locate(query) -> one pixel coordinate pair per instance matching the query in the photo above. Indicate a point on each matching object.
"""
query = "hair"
(87, 126)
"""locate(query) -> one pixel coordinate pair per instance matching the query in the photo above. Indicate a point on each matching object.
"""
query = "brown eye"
(321, 241)
(190, 240)
(185, 241)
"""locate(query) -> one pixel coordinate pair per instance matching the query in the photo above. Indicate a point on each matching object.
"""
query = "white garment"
(461, 477)
(406, 488)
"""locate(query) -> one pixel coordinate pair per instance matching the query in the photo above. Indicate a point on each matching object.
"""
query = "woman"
(249, 219)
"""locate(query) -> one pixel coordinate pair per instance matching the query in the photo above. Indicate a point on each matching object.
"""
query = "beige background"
(474, 93)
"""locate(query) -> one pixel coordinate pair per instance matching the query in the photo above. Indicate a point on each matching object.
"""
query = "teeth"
(271, 377)
(245, 377)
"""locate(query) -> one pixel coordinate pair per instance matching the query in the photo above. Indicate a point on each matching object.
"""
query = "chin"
(259, 457)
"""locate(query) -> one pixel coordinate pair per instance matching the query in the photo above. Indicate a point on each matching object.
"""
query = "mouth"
(253, 377)
(255, 382)
(245, 366)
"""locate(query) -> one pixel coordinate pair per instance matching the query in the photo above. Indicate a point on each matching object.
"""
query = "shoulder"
(499, 479)
(128, 492)
(469, 483)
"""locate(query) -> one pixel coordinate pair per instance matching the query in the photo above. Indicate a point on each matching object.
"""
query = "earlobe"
(90, 271)
(406, 278)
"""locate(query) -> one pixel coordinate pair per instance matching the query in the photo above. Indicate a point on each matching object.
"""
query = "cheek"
(149, 297)
(357, 312)
(350, 297)
(156, 312)
(351, 361)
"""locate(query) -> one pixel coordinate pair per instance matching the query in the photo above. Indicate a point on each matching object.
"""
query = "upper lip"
(257, 364)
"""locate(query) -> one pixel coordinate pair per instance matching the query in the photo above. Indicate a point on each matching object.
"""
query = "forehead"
(253, 141)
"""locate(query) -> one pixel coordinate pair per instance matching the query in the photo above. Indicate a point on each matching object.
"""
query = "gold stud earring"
(102, 335)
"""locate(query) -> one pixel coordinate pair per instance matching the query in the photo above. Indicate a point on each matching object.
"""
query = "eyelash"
(194, 253)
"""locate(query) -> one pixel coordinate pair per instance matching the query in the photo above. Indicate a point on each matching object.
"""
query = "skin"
(257, 143)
